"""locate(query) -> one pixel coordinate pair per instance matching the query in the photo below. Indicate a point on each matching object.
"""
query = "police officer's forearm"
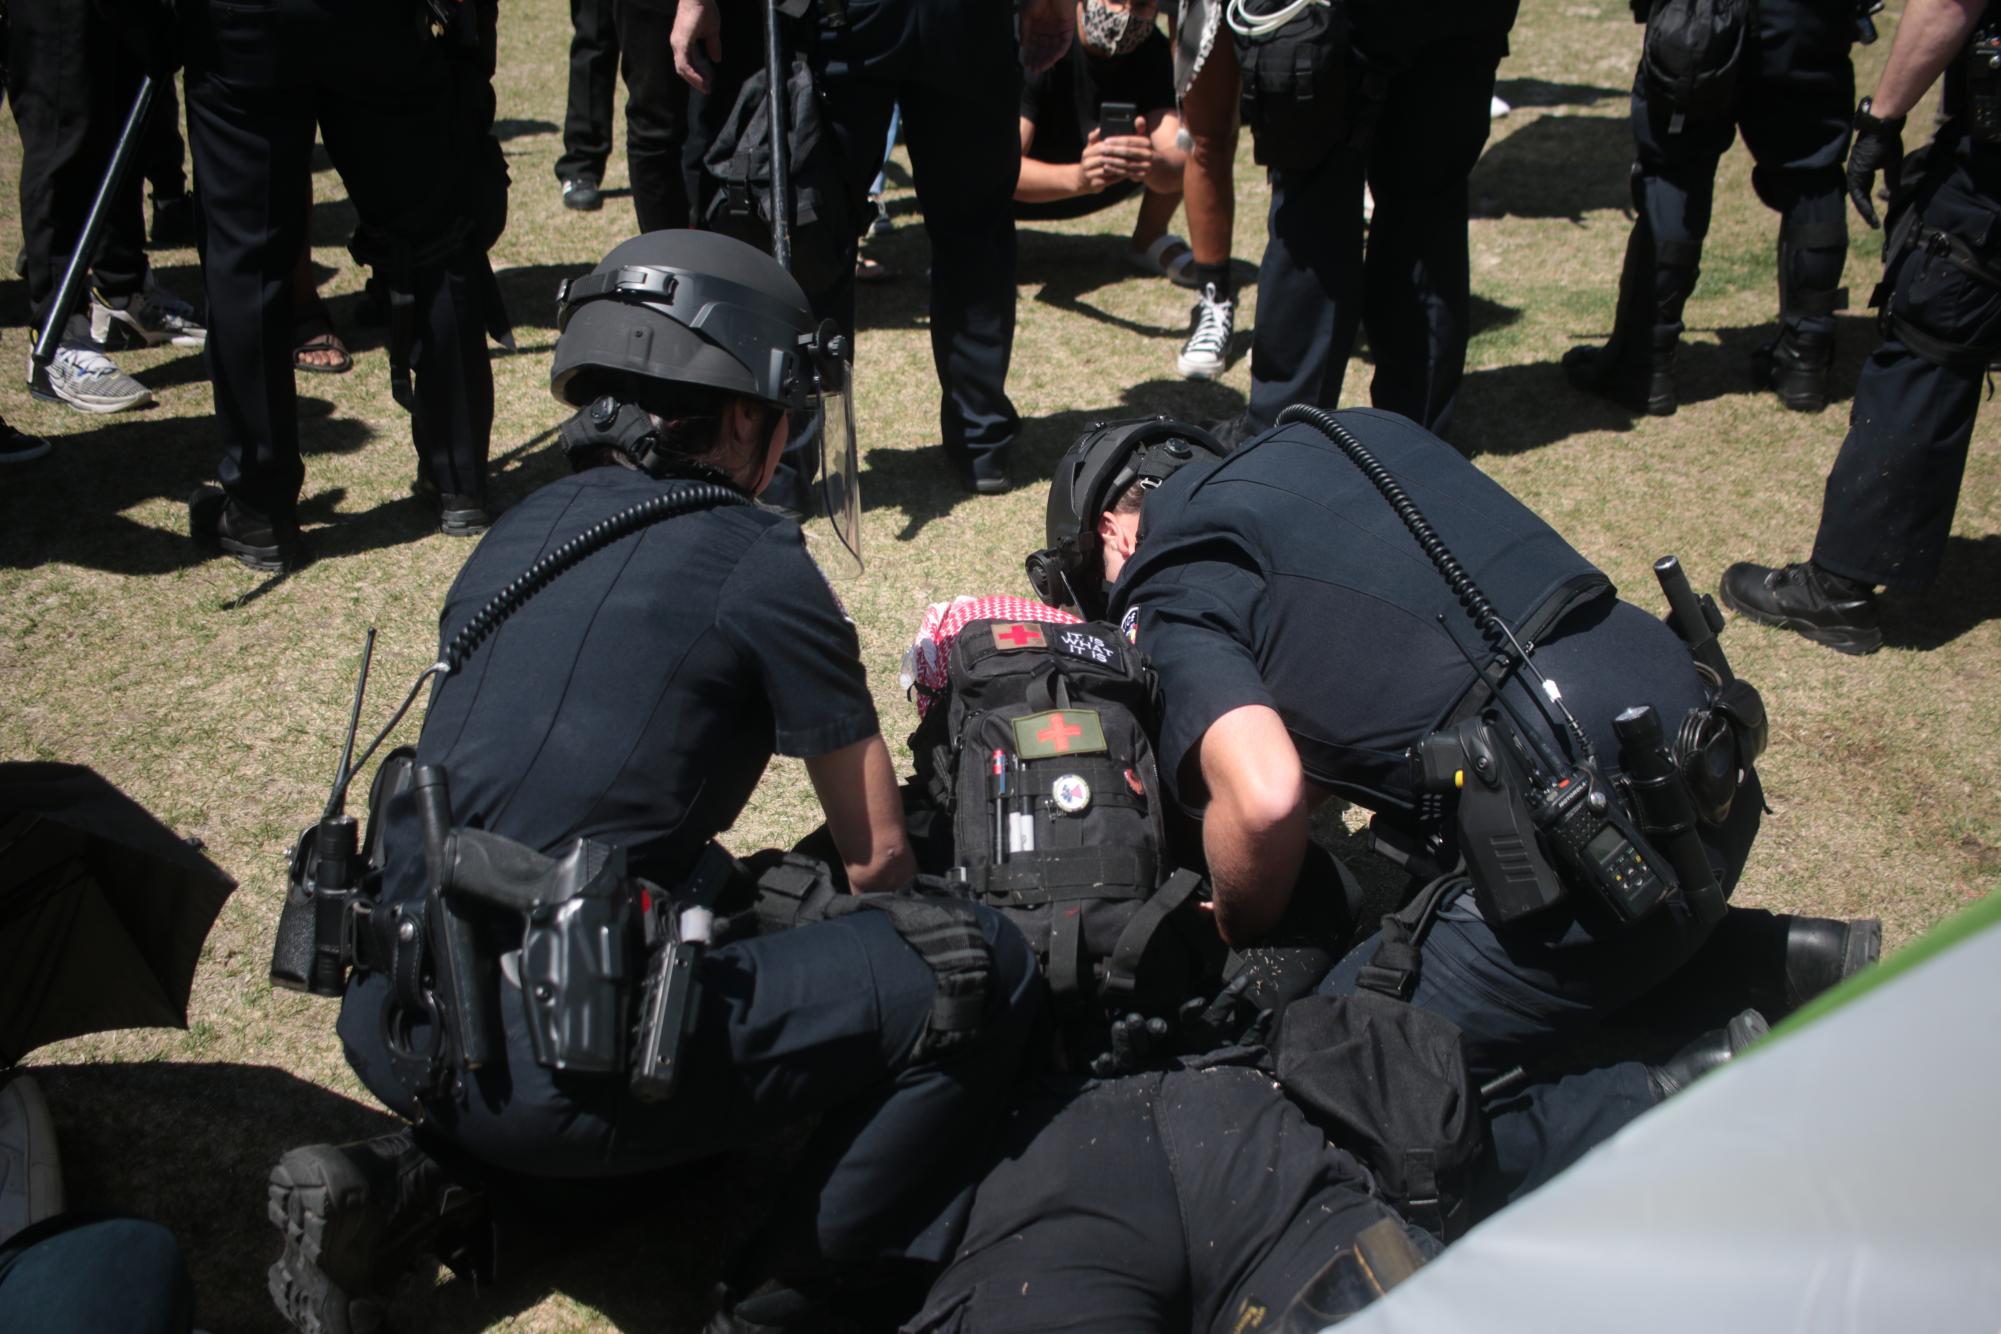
(857, 789)
(1255, 827)
(1930, 35)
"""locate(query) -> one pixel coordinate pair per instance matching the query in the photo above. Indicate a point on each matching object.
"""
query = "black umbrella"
(103, 910)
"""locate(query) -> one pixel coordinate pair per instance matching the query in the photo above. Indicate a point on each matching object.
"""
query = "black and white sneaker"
(149, 318)
(89, 381)
(582, 193)
(1210, 323)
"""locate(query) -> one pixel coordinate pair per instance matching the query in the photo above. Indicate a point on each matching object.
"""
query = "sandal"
(313, 333)
(1168, 257)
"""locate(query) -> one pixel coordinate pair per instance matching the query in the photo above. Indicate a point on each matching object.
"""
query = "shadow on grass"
(1544, 93)
(191, 1145)
(922, 483)
(1966, 595)
(1513, 409)
(1556, 167)
(71, 507)
(1055, 269)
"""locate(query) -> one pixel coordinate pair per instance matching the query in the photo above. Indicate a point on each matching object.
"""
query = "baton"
(85, 249)
(781, 140)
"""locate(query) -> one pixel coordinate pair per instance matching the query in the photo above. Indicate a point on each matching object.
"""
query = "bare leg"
(1211, 112)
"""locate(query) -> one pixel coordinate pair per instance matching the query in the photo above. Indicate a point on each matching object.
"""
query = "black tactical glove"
(1879, 147)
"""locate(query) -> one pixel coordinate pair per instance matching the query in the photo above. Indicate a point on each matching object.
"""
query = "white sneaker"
(1210, 324)
(89, 381)
(31, 1176)
(153, 317)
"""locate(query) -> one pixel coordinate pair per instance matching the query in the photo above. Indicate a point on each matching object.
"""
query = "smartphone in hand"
(1117, 118)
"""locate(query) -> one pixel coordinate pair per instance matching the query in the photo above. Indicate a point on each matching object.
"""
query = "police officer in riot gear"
(1309, 644)
(623, 711)
(1892, 490)
(1793, 86)
(1412, 88)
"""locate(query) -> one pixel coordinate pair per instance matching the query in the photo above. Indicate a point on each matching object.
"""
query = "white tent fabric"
(1845, 1178)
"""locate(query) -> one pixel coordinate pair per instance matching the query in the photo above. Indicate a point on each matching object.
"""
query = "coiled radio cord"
(683, 499)
(1486, 619)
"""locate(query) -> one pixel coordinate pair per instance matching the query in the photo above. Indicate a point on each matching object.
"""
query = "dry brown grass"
(216, 699)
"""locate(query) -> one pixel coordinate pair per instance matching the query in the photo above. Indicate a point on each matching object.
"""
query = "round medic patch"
(1071, 794)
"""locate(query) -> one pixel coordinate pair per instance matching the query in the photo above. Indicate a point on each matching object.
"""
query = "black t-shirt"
(1280, 577)
(638, 697)
(1062, 102)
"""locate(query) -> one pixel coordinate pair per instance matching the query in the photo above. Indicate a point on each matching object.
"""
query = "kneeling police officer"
(1384, 623)
(596, 727)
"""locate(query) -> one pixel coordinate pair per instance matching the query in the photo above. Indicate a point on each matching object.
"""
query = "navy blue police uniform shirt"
(1279, 576)
(636, 699)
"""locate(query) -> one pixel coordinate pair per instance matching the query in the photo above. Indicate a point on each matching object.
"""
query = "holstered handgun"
(577, 941)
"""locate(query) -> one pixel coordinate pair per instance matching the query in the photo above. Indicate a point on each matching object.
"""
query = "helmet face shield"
(840, 470)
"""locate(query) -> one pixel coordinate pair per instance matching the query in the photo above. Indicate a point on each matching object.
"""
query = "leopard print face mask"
(1112, 32)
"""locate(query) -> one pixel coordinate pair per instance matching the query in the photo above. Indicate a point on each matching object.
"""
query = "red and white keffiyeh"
(926, 663)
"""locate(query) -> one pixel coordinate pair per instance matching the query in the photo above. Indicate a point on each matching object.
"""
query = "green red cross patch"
(1040, 736)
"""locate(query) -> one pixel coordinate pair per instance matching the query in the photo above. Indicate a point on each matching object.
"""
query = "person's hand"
(1879, 148)
(1106, 162)
(1046, 29)
(697, 41)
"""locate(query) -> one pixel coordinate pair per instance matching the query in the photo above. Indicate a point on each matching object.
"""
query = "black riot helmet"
(1092, 474)
(696, 308)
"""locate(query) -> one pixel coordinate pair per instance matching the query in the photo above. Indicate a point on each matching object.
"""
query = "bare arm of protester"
(1106, 162)
(1930, 36)
(1255, 827)
(697, 41)
(857, 789)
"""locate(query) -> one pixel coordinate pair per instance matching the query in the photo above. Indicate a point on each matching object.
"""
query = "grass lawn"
(216, 697)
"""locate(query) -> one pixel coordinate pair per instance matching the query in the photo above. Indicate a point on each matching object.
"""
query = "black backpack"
(825, 208)
(1388, 1082)
(1691, 56)
(1042, 743)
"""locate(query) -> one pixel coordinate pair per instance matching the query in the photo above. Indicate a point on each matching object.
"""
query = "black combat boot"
(1794, 366)
(1808, 600)
(355, 1218)
(1642, 380)
(1698, 1058)
(1822, 951)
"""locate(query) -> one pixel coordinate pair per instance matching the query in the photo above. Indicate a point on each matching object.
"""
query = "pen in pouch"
(1000, 806)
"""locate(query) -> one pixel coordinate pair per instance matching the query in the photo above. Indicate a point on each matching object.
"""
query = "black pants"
(1411, 288)
(1177, 1201)
(163, 160)
(259, 78)
(1795, 96)
(668, 125)
(593, 75)
(819, 1020)
(951, 66)
(1894, 486)
(72, 82)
